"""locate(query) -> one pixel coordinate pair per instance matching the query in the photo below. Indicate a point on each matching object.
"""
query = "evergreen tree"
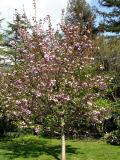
(79, 11)
(111, 16)
(12, 34)
(1, 35)
(18, 22)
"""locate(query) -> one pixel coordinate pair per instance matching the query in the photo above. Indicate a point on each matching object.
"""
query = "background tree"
(1, 35)
(111, 15)
(12, 36)
(18, 22)
(79, 11)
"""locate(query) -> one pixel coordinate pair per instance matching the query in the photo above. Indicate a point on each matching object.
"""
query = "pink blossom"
(36, 93)
(18, 102)
(52, 82)
(48, 57)
(85, 84)
(26, 111)
(18, 82)
(22, 102)
(60, 98)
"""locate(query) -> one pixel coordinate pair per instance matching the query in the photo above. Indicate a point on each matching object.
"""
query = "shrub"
(6, 126)
(113, 137)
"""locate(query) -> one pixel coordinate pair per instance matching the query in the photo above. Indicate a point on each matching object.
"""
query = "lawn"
(38, 148)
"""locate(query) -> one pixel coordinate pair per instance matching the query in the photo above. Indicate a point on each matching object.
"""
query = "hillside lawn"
(38, 148)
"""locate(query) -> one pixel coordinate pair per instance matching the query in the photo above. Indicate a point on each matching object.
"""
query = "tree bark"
(63, 148)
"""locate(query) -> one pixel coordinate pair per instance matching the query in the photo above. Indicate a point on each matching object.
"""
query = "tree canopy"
(19, 21)
(79, 11)
(111, 15)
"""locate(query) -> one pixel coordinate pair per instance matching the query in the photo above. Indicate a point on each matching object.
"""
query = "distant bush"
(113, 137)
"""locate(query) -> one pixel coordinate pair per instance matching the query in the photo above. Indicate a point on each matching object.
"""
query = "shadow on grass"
(33, 148)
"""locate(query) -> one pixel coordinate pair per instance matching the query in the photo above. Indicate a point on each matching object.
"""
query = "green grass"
(37, 148)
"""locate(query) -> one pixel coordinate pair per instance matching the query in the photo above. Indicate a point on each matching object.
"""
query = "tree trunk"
(63, 149)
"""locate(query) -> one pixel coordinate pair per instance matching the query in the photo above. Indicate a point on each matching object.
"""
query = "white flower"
(89, 103)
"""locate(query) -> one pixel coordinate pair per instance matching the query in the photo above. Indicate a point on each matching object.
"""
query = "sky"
(44, 7)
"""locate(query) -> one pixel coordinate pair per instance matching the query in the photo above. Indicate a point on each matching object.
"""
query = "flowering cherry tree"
(48, 75)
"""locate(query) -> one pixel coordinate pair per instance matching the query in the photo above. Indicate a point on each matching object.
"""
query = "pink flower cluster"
(48, 57)
(22, 102)
(26, 111)
(98, 116)
(60, 98)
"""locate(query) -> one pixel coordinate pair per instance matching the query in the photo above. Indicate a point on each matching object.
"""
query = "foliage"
(111, 16)
(19, 21)
(12, 37)
(103, 102)
(79, 11)
(107, 57)
(113, 137)
(1, 35)
(107, 45)
(6, 126)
